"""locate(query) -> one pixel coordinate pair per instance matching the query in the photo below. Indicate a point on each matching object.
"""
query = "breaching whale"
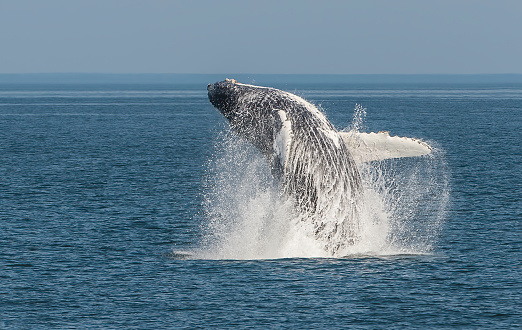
(315, 164)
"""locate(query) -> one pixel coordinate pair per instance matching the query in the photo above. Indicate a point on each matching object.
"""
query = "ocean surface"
(130, 204)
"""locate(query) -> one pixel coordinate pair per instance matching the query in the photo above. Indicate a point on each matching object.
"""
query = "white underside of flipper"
(282, 137)
(366, 147)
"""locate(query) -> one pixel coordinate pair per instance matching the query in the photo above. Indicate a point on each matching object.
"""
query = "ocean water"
(132, 205)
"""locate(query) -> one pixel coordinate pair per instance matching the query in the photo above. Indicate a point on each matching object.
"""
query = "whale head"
(246, 108)
(224, 95)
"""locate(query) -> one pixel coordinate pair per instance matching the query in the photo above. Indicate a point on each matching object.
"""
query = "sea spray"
(248, 217)
(405, 200)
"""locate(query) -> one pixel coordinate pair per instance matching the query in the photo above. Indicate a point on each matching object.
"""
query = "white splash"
(404, 204)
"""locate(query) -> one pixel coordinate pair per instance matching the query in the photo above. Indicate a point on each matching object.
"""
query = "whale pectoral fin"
(282, 136)
(366, 147)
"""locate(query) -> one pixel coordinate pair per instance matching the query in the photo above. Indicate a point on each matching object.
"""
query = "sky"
(263, 36)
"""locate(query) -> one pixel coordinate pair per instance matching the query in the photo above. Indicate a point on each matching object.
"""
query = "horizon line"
(256, 78)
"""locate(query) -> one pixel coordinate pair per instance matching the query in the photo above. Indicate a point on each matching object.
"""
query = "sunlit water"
(134, 206)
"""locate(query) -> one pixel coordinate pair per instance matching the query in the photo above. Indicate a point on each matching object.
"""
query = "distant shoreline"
(168, 78)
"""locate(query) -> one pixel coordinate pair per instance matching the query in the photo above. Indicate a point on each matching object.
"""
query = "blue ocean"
(127, 202)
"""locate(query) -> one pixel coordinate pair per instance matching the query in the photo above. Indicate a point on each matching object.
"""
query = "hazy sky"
(262, 36)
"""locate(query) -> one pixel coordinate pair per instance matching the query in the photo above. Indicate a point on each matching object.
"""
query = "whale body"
(312, 161)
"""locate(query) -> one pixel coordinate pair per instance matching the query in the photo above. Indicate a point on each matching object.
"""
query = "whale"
(315, 165)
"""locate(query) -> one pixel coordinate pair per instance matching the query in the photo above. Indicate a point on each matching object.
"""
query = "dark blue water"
(101, 184)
